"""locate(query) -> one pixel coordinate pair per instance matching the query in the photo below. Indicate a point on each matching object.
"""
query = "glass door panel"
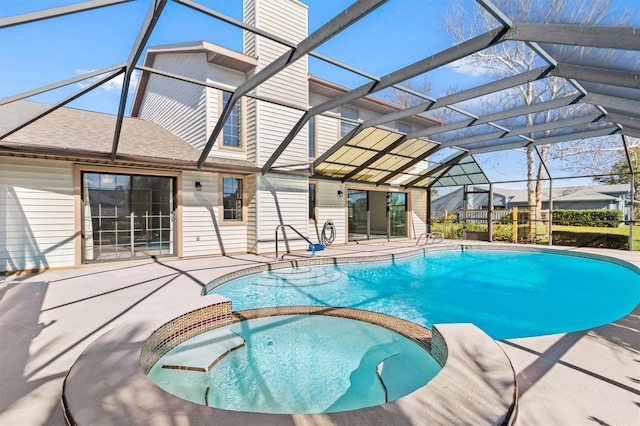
(127, 216)
(397, 214)
(358, 218)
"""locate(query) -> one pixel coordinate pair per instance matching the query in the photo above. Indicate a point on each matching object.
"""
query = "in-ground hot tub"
(294, 364)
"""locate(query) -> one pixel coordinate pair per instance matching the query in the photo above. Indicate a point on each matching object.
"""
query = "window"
(404, 128)
(312, 201)
(347, 126)
(232, 199)
(231, 129)
(312, 137)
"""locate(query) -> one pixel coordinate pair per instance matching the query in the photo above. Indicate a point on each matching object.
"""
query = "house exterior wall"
(331, 206)
(289, 85)
(203, 232)
(418, 212)
(280, 199)
(36, 214)
(176, 105)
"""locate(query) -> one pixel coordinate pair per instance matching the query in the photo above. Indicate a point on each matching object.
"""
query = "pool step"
(203, 352)
(298, 277)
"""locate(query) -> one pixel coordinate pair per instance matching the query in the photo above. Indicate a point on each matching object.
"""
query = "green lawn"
(620, 230)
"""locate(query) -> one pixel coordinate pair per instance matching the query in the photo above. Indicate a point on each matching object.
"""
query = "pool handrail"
(431, 236)
(311, 245)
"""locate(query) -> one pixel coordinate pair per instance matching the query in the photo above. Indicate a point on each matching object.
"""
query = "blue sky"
(56, 49)
(397, 34)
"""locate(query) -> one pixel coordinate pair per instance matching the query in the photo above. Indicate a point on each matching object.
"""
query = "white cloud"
(113, 85)
(467, 67)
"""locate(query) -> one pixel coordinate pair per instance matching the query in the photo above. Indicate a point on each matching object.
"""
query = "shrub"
(503, 232)
(606, 218)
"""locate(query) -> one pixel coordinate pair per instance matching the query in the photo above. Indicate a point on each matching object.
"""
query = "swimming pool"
(508, 294)
(295, 364)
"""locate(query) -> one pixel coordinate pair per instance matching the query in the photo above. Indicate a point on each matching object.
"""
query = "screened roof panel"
(414, 147)
(484, 88)
(390, 162)
(370, 175)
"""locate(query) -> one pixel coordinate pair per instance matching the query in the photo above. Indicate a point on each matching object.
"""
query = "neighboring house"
(612, 197)
(64, 202)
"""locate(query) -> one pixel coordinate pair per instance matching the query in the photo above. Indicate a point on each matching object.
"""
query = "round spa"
(295, 364)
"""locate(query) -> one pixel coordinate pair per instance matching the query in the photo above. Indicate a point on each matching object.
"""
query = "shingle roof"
(81, 132)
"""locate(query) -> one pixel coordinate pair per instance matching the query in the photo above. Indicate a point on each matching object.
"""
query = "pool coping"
(411, 252)
(476, 385)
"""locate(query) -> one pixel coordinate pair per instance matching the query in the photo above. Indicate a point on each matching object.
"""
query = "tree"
(620, 171)
(511, 58)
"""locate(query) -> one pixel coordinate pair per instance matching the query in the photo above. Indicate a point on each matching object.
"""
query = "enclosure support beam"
(155, 9)
(58, 11)
(442, 58)
(632, 184)
(63, 102)
(624, 38)
(428, 218)
(342, 21)
(490, 213)
(550, 227)
(446, 166)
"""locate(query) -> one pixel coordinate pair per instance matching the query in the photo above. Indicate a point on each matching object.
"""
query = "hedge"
(590, 239)
(606, 218)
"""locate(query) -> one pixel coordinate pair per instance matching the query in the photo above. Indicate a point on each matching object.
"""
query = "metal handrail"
(430, 236)
(313, 247)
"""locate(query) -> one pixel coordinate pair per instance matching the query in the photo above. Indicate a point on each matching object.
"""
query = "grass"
(505, 232)
(620, 230)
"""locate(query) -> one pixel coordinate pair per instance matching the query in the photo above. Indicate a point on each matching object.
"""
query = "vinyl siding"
(202, 232)
(327, 130)
(280, 200)
(249, 38)
(273, 125)
(36, 214)
(289, 85)
(251, 120)
(251, 214)
(418, 212)
(176, 105)
(332, 207)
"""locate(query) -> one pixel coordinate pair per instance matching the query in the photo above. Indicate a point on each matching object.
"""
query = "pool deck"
(47, 320)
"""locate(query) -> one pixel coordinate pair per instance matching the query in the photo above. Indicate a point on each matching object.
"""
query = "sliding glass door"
(374, 214)
(127, 216)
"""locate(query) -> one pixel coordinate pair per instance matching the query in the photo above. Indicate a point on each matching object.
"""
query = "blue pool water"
(507, 294)
(297, 364)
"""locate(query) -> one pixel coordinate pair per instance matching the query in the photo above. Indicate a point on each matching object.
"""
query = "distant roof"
(453, 200)
(75, 134)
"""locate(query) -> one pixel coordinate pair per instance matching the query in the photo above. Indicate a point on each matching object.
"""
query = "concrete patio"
(589, 377)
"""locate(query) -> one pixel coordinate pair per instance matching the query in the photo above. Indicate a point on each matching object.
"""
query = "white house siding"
(176, 105)
(289, 85)
(36, 214)
(251, 123)
(281, 199)
(331, 207)
(418, 212)
(273, 125)
(202, 231)
(327, 131)
(252, 235)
